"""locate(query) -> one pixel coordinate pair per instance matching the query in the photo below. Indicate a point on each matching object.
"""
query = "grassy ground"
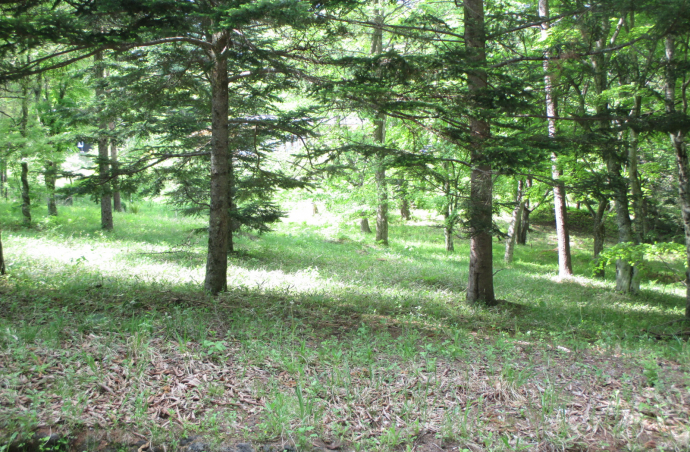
(325, 339)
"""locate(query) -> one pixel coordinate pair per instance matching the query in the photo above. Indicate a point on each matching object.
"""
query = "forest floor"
(327, 341)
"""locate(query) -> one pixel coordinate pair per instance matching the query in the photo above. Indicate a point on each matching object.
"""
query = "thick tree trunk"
(117, 201)
(2, 257)
(405, 210)
(565, 266)
(219, 222)
(678, 142)
(514, 225)
(103, 157)
(26, 199)
(364, 225)
(480, 285)
(51, 178)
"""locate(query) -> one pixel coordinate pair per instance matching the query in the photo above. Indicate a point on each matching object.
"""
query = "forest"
(355, 225)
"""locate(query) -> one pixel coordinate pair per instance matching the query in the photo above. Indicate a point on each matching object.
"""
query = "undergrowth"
(325, 338)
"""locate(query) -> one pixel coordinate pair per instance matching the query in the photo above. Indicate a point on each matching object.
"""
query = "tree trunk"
(639, 225)
(627, 280)
(103, 157)
(405, 210)
(680, 147)
(3, 178)
(219, 222)
(2, 257)
(364, 225)
(448, 231)
(232, 218)
(627, 275)
(380, 139)
(448, 222)
(480, 285)
(26, 200)
(600, 232)
(381, 186)
(514, 223)
(50, 178)
(565, 266)
(524, 223)
(117, 202)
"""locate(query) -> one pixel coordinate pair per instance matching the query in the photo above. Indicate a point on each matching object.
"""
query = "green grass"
(326, 337)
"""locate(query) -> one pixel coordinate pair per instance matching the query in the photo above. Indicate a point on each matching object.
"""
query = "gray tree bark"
(3, 178)
(524, 222)
(364, 225)
(26, 199)
(405, 213)
(117, 201)
(380, 139)
(640, 223)
(514, 225)
(480, 285)
(103, 157)
(216, 280)
(599, 230)
(627, 275)
(51, 178)
(678, 142)
(565, 266)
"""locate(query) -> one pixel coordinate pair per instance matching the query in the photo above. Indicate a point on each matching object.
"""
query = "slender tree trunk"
(678, 142)
(381, 185)
(117, 202)
(627, 275)
(23, 128)
(3, 178)
(26, 199)
(524, 223)
(600, 232)
(448, 231)
(219, 222)
(448, 222)
(2, 257)
(50, 178)
(480, 285)
(234, 222)
(103, 157)
(637, 198)
(405, 210)
(514, 223)
(380, 139)
(565, 266)
(364, 225)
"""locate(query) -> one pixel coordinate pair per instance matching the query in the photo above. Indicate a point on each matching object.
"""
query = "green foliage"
(635, 254)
